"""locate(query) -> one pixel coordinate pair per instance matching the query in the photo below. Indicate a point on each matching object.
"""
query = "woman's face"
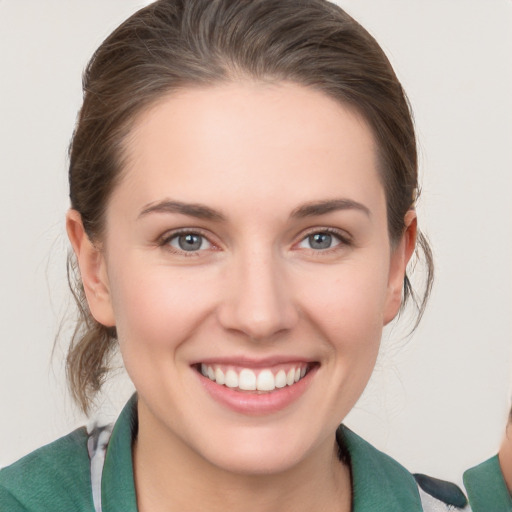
(247, 240)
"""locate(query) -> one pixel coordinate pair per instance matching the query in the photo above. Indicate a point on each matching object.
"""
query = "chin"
(257, 462)
(264, 451)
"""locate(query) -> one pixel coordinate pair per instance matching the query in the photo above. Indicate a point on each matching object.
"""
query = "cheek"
(155, 308)
(348, 303)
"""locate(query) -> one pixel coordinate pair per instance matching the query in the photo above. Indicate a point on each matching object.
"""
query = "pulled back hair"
(176, 44)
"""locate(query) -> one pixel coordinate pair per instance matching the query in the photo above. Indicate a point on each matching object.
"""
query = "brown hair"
(174, 44)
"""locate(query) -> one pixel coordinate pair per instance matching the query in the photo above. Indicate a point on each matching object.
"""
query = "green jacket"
(57, 477)
(486, 488)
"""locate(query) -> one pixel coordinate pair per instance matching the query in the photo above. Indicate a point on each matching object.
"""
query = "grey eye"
(320, 241)
(190, 242)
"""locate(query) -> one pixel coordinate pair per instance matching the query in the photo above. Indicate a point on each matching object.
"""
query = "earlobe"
(91, 262)
(400, 257)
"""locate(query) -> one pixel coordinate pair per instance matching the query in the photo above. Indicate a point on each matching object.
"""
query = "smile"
(262, 380)
(256, 388)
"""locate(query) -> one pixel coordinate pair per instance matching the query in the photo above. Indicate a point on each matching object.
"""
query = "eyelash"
(344, 240)
(165, 242)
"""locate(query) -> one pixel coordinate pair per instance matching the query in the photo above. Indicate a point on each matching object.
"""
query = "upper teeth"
(249, 380)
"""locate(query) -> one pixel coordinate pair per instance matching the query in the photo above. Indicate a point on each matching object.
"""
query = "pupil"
(320, 240)
(190, 242)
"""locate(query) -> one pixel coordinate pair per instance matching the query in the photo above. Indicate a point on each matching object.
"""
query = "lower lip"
(256, 404)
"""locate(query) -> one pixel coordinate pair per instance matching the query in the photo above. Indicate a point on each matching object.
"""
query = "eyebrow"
(191, 209)
(205, 212)
(328, 206)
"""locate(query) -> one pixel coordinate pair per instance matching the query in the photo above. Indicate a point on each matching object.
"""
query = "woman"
(489, 485)
(242, 180)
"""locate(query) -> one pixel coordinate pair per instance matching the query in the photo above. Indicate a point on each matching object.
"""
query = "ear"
(93, 271)
(398, 264)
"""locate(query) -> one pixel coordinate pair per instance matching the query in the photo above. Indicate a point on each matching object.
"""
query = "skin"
(505, 457)
(254, 154)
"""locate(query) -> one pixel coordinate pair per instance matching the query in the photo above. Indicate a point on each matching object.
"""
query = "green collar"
(486, 487)
(117, 483)
(378, 482)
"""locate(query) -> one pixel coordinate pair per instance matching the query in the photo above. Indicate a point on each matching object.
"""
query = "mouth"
(255, 380)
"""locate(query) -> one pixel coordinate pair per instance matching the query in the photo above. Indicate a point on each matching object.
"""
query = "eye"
(189, 242)
(320, 241)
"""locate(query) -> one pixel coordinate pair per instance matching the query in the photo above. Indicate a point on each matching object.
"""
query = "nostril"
(257, 322)
(257, 297)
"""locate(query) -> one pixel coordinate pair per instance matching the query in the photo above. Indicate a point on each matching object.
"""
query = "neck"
(169, 475)
(505, 457)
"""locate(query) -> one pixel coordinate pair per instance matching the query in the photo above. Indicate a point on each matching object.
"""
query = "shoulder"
(55, 477)
(381, 483)
(486, 487)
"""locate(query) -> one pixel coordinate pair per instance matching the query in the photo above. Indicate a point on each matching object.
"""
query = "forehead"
(262, 139)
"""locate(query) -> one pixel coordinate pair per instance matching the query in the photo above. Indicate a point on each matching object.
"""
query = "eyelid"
(165, 239)
(344, 238)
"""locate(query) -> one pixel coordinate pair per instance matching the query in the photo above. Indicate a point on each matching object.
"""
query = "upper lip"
(249, 362)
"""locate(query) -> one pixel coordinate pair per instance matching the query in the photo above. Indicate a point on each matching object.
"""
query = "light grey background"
(438, 402)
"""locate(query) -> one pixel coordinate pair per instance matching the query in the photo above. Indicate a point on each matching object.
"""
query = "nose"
(258, 300)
